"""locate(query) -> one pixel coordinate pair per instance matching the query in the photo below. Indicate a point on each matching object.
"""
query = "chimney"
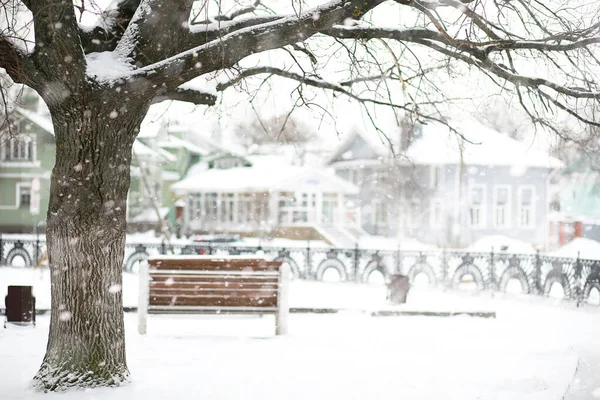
(578, 231)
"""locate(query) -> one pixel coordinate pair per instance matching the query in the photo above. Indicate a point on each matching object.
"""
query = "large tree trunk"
(86, 228)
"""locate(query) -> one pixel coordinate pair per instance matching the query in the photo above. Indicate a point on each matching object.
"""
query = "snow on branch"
(110, 26)
(227, 50)
(17, 64)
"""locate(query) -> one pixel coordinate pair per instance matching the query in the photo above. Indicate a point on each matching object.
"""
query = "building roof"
(479, 145)
(263, 179)
(43, 122)
(173, 142)
(139, 148)
(438, 145)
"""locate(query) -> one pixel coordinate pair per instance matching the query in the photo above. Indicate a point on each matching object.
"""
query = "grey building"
(446, 187)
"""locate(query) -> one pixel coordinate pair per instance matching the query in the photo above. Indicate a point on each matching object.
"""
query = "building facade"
(232, 194)
(447, 190)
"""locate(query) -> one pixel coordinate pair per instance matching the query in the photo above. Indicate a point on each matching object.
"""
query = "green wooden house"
(27, 154)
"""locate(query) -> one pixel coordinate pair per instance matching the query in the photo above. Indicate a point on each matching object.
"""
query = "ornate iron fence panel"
(577, 279)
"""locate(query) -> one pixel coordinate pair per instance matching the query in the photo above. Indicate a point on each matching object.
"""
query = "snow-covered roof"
(376, 143)
(170, 176)
(439, 145)
(173, 142)
(141, 150)
(263, 179)
(38, 119)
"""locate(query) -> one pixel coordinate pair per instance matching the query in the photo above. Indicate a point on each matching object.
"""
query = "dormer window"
(226, 163)
(18, 149)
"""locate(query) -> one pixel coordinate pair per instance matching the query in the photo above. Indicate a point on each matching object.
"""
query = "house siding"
(413, 182)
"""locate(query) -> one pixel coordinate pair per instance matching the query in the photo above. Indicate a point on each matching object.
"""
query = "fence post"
(537, 279)
(356, 260)
(308, 272)
(492, 271)
(163, 247)
(398, 260)
(36, 252)
(578, 291)
(444, 268)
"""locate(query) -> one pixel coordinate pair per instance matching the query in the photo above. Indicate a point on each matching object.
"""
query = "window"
(502, 207)
(246, 208)
(381, 213)
(436, 176)
(354, 175)
(209, 211)
(476, 206)
(194, 206)
(436, 214)
(413, 214)
(226, 208)
(18, 149)
(24, 192)
(526, 207)
(226, 163)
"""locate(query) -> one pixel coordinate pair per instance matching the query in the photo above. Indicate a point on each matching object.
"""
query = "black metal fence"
(536, 273)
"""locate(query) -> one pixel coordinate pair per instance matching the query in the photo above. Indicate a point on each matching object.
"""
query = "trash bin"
(398, 287)
(20, 306)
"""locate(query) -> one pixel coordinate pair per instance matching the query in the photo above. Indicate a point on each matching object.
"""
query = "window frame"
(436, 223)
(482, 206)
(436, 171)
(532, 206)
(7, 148)
(19, 187)
(508, 208)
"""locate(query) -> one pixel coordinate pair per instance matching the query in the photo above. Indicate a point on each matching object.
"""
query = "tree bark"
(86, 226)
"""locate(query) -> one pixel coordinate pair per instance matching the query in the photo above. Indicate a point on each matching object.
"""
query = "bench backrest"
(214, 283)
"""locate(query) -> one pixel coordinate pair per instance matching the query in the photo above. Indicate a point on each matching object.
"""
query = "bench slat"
(241, 274)
(198, 291)
(213, 301)
(215, 264)
(210, 310)
(215, 285)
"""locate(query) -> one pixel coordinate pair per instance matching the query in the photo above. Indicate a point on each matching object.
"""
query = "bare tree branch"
(188, 95)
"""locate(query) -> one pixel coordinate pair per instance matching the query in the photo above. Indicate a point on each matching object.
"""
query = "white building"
(251, 195)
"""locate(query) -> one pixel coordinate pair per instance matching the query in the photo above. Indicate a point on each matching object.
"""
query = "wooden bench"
(214, 285)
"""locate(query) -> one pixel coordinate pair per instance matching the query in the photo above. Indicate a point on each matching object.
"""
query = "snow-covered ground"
(501, 244)
(584, 248)
(531, 351)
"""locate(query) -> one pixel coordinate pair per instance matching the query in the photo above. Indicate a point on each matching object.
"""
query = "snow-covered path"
(531, 351)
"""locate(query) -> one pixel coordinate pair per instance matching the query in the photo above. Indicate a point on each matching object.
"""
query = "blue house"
(430, 183)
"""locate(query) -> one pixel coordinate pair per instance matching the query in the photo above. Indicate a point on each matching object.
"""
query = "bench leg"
(283, 306)
(144, 297)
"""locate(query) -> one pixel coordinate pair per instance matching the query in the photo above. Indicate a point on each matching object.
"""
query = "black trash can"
(398, 287)
(20, 306)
